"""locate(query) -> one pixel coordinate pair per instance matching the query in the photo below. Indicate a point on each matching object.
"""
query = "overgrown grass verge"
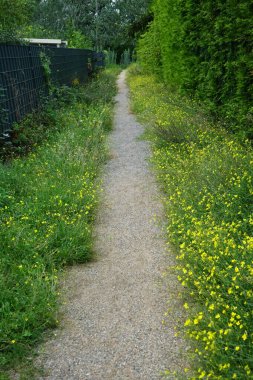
(47, 200)
(207, 179)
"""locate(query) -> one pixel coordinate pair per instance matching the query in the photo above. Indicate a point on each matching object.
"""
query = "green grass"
(206, 175)
(48, 200)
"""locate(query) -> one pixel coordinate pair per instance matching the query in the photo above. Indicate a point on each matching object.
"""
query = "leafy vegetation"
(13, 15)
(97, 24)
(94, 24)
(48, 200)
(206, 175)
(205, 49)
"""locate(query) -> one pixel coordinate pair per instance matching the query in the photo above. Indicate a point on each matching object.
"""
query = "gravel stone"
(112, 319)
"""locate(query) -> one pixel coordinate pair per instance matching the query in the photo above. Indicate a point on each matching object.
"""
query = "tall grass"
(206, 175)
(47, 204)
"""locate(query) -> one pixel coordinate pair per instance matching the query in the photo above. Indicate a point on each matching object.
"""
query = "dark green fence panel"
(23, 82)
(70, 66)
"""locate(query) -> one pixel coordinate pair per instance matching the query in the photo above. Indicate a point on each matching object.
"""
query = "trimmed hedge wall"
(205, 48)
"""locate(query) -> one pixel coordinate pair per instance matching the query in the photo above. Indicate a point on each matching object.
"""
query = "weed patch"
(47, 204)
(206, 175)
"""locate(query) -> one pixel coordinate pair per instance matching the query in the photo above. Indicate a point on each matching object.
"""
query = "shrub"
(206, 50)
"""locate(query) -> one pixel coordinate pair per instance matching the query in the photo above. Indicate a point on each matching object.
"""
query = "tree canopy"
(13, 15)
(103, 24)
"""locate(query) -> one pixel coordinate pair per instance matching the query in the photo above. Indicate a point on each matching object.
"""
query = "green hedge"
(206, 49)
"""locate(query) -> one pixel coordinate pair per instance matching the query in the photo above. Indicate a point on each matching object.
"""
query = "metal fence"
(23, 82)
(69, 65)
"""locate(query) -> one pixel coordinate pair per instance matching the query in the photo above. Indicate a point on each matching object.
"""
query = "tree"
(14, 14)
(107, 23)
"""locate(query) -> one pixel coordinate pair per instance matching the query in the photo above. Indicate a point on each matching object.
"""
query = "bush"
(149, 51)
(205, 50)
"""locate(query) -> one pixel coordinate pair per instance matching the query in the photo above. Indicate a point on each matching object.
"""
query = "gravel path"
(112, 325)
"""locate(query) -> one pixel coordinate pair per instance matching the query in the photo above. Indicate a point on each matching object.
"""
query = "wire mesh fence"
(24, 83)
(70, 65)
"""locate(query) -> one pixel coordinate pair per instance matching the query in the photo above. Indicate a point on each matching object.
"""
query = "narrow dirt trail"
(113, 317)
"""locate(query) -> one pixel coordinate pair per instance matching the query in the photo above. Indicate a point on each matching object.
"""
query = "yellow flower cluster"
(207, 178)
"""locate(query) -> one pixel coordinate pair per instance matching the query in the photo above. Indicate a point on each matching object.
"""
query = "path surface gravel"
(112, 324)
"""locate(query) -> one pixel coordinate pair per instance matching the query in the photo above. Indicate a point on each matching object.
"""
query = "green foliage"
(46, 62)
(8, 36)
(206, 175)
(149, 51)
(206, 50)
(76, 39)
(104, 23)
(102, 90)
(14, 13)
(110, 57)
(47, 205)
(36, 31)
(125, 59)
(169, 34)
